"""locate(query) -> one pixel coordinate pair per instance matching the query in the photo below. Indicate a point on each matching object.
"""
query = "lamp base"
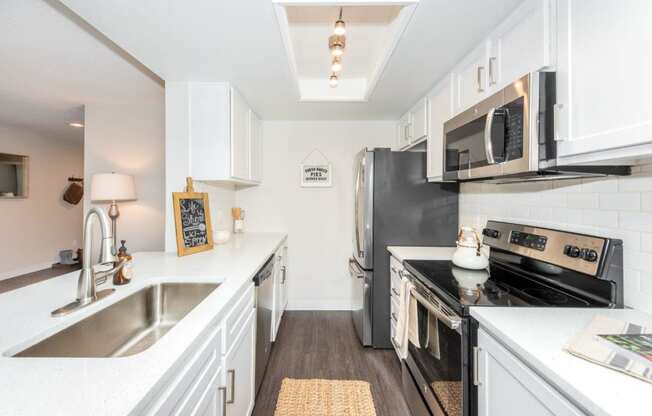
(114, 213)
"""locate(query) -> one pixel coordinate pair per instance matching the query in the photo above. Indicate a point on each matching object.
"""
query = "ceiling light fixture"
(75, 124)
(337, 44)
(337, 64)
(333, 81)
(340, 26)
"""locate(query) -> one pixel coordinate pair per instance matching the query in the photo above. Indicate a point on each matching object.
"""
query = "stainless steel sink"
(127, 327)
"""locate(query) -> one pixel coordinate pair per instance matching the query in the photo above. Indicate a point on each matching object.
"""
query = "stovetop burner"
(461, 288)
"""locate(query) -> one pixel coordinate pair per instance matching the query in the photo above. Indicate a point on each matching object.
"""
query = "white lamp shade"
(112, 187)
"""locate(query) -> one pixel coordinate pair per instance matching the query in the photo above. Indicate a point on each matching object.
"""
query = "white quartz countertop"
(537, 336)
(116, 386)
(421, 253)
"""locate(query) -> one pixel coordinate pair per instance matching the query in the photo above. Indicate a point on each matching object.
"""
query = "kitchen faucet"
(89, 278)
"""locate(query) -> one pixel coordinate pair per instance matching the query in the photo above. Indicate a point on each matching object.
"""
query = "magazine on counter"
(619, 345)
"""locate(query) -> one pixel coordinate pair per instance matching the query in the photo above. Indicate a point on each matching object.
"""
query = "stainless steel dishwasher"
(264, 302)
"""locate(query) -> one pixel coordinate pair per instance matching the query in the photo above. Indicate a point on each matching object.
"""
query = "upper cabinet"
(440, 106)
(604, 88)
(413, 126)
(225, 135)
(470, 77)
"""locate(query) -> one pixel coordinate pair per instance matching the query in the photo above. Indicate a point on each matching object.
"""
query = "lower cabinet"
(395, 269)
(506, 385)
(217, 378)
(280, 288)
(239, 365)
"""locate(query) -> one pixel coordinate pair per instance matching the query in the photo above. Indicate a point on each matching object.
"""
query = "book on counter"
(619, 345)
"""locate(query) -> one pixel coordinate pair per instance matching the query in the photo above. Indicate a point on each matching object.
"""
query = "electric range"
(528, 266)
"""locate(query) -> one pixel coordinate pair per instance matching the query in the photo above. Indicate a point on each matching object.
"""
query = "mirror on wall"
(13, 176)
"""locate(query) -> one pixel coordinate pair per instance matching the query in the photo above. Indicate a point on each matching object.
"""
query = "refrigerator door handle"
(358, 188)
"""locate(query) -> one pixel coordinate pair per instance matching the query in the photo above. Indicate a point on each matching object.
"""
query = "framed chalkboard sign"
(193, 222)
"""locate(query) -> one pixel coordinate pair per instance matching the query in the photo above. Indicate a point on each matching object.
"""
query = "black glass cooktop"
(462, 288)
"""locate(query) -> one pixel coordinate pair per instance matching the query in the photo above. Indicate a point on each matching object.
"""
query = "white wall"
(36, 228)
(127, 136)
(613, 207)
(319, 221)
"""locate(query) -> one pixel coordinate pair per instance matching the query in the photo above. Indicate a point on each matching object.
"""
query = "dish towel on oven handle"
(407, 325)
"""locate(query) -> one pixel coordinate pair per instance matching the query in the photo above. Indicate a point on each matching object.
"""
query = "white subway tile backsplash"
(636, 221)
(583, 200)
(611, 207)
(621, 201)
(646, 201)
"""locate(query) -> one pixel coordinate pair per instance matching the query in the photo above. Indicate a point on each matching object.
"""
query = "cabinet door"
(419, 125)
(256, 144)
(277, 310)
(440, 111)
(403, 131)
(507, 385)
(471, 78)
(604, 88)
(240, 370)
(521, 44)
(240, 146)
(212, 402)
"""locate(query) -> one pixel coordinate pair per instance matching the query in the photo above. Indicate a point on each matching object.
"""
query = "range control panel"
(577, 252)
(534, 241)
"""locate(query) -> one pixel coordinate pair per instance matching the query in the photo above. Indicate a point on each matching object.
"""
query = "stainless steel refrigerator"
(394, 206)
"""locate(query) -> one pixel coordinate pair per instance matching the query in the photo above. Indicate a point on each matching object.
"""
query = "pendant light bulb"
(336, 44)
(333, 81)
(340, 28)
(337, 64)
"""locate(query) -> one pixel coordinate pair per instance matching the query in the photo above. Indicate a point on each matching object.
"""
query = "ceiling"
(240, 41)
(52, 64)
(371, 33)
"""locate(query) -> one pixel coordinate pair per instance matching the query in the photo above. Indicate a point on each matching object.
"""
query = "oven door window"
(439, 358)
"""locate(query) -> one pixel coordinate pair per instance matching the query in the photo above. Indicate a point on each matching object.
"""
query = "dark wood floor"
(35, 277)
(324, 345)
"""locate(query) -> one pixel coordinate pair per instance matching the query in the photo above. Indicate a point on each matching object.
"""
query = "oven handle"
(451, 322)
(354, 271)
(488, 147)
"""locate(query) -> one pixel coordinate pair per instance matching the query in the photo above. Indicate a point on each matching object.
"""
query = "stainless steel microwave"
(510, 137)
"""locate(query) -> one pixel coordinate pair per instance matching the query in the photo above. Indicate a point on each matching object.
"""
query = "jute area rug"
(316, 397)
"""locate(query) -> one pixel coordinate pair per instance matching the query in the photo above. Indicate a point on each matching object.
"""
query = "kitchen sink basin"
(127, 327)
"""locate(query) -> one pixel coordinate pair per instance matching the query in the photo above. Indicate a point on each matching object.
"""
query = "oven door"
(435, 357)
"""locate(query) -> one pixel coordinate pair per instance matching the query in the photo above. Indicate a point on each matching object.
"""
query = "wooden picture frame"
(183, 228)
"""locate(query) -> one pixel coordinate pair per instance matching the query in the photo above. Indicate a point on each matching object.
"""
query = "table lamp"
(113, 187)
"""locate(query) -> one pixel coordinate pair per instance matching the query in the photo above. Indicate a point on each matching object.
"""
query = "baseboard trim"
(25, 270)
(319, 305)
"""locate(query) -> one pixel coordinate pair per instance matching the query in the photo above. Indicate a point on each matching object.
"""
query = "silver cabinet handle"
(394, 317)
(394, 269)
(492, 78)
(488, 147)
(232, 374)
(480, 69)
(284, 270)
(395, 292)
(223, 390)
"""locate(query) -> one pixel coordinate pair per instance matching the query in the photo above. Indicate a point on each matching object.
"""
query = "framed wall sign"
(192, 219)
(316, 176)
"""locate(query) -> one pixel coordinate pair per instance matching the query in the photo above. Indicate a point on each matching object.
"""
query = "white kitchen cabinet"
(240, 129)
(280, 289)
(256, 150)
(440, 110)
(403, 130)
(224, 139)
(522, 43)
(507, 386)
(470, 77)
(604, 80)
(239, 365)
(419, 125)
(395, 269)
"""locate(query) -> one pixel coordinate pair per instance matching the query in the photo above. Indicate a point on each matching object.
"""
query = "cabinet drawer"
(236, 317)
(205, 383)
(189, 375)
(394, 266)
